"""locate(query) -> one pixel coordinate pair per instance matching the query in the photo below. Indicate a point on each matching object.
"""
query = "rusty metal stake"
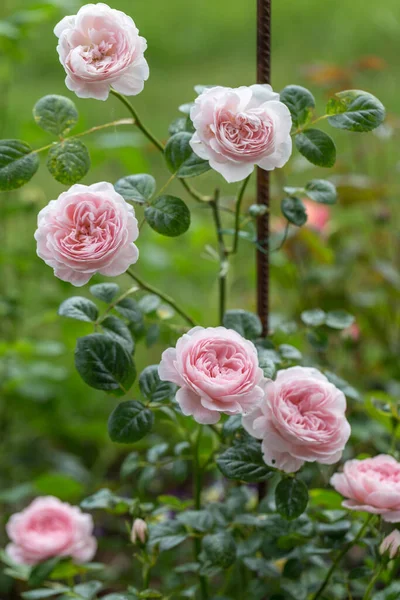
(263, 76)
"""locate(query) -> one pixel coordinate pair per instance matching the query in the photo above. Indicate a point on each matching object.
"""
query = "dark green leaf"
(42, 571)
(104, 364)
(129, 422)
(355, 110)
(136, 188)
(299, 101)
(116, 329)
(68, 161)
(166, 535)
(294, 210)
(129, 309)
(232, 425)
(219, 549)
(104, 499)
(199, 520)
(321, 191)
(291, 497)
(180, 157)
(56, 114)
(88, 590)
(317, 147)
(104, 291)
(153, 388)
(18, 164)
(245, 323)
(339, 319)
(244, 461)
(313, 318)
(168, 215)
(263, 567)
(79, 308)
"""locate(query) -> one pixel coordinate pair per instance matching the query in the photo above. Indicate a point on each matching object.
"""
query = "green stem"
(159, 145)
(308, 125)
(197, 485)
(223, 256)
(341, 554)
(131, 290)
(371, 584)
(165, 297)
(238, 206)
(146, 577)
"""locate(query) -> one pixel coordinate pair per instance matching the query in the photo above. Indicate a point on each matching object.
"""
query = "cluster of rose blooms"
(299, 416)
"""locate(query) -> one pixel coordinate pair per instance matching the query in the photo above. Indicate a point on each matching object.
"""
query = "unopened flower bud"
(139, 531)
(391, 544)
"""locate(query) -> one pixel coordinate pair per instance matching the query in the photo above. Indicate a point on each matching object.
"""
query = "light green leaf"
(43, 593)
(80, 308)
(244, 322)
(317, 147)
(55, 114)
(168, 215)
(355, 110)
(136, 188)
(129, 422)
(291, 497)
(321, 191)
(198, 520)
(104, 364)
(180, 157)
(42, 571)
(166, 535)
(219, 549)
(294, 210)
(68, 161)
(313, 318)
(104, 291)
(339, 319)
(299, 101)
(18, 164)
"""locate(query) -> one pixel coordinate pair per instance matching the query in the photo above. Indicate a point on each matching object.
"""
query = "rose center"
(220, 361)
(245, 133)
(97, 52)
(46, 523)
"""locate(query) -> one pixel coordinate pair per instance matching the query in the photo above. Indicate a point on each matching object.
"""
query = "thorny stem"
(159, 145)
(165, 297)
(341, 554)
(223, 255)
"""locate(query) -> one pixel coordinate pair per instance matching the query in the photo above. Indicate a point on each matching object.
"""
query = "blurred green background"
(53, 427)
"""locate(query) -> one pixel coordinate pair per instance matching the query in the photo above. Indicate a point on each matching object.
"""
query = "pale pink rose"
(217, 371)
(237, 128)
(351, 333)
(318, 215)
(99, 48)
(89, 229)
(391, 544)
(301, 419)
(139, 531)
(371, 485)
(47, 528)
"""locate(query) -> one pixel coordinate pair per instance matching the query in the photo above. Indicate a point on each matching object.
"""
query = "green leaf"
(219, 549)
(42, 571)
(244, 461)
(104, 499)
(79, 308)
(339, 319)
(117, 330)
(166, 535)
(355, 110)
(245, 323)
(55, 114)
(317, 147)
(313, 318)
(180, 157)
(104, 291)
(130, 464)
(153, 388)
(104, 364)
(136, 188)
(68, 161)
(291, 497)
(43, 593)
(149, 303)
(299, 101)
(294, 210)
(198, 520)
(18, 164)
(129, 309)
(321, 191)
(129, 422)
(58, 484)
(168, 215)
(88, 590)
(266, 363)
(289, 352)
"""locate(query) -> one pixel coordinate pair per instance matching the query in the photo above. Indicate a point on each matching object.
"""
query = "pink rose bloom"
(89, 229)
(241, 127)
(101, 47)
(391, 544)
(301, 419)
(318, 215)
(371, 485)
(47, 528)
(217, 371)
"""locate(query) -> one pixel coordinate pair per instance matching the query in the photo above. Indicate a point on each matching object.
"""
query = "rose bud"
(139, 531)
(391, 544)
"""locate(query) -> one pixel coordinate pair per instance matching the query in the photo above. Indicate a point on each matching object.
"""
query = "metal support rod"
(263, 76)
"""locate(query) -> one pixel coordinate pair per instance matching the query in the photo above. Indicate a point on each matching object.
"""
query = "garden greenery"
(261, 432)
